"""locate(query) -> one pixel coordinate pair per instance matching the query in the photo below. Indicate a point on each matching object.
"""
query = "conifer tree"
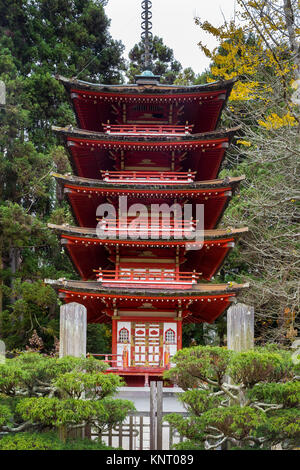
(162, 58)
(37, 41)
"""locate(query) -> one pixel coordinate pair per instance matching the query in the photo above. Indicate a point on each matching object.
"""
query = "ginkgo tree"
(259, 48)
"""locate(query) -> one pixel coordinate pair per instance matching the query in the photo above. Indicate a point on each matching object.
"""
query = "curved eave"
(161, 89)
(202, 303)
(90, 101)
(233, 182)
(84, 195)
(87, 251)
(94, 287)
(90, 233)
(71, 132)
(91, 152)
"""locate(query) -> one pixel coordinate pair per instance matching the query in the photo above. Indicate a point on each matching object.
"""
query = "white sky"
(173, 21)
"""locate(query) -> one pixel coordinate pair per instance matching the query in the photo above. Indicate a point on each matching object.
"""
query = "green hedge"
(47, 441)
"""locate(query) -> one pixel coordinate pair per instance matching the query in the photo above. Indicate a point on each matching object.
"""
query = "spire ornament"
(146, 34)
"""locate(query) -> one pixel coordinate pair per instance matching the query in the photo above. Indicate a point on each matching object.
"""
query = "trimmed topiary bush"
(47, 441)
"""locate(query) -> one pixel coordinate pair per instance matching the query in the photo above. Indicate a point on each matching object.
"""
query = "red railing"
(108, 358)
(147, 129)
(146, 276)
(119, 362)
(162, 177)
(147, 225)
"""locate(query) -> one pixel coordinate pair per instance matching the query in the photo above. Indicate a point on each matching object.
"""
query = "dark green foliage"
(38, 40)
(234, 421)
(191, 428)
(55, 412)
(284, 425)
(287, 394)
(252, 367)
(47, 441)
(199, 401)
(38, 393)
(26, 370)
(192, 333)
(163, 62)
(249, 399)
(188, 445)
(5, 415)
(197, 364)
(98, 338)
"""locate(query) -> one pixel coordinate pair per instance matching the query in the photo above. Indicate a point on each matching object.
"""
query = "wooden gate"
(134, 434)
(144, 430)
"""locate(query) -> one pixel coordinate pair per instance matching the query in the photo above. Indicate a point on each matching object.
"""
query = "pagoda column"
(73, 324)
(179, 335)
(114, 335)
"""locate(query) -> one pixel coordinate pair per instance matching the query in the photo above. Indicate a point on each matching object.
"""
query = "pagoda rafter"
(91, 152)
(204, 302)
(85, 195)
(147, 103)
(84, 246)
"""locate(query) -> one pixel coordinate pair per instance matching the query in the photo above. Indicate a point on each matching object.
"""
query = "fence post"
(240, 327)
(141, 433)
(153, 409)
(159, 415)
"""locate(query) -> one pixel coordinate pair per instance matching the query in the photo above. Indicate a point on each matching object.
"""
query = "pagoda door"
(146, 344)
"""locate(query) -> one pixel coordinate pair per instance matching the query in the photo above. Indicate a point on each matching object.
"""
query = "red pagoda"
(152, 144)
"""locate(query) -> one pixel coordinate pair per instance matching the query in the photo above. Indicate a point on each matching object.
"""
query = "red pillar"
(114, 337)
(179, 335)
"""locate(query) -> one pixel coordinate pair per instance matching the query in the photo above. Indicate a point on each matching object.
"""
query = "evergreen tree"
(163, 61)
(41, 393)
(248, 399)
(38, 40)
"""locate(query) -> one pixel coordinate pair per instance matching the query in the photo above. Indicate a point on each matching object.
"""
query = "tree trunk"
(1, 281)
(14, 262)
(289, 18)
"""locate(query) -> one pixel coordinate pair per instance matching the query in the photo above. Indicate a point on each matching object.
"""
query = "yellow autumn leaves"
(241, 53)
(273, 121)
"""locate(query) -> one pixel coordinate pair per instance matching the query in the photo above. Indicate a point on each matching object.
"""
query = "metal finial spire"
(146, 33)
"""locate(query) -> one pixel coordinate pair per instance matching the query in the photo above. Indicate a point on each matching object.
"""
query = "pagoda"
(150, 144)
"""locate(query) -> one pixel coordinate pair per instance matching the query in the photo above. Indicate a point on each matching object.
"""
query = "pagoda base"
(139, 376)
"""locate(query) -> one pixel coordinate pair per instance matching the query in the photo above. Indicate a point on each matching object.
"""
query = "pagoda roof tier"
(201, 303)
(92, 152)
(85, 195)
(200, 105)
(89, 252)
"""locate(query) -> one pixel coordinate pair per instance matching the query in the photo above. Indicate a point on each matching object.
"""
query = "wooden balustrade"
(162, 177)
(150, 225)
(146, 276)
(165, 129)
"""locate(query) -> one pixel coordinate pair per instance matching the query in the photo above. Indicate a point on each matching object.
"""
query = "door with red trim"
(146, 344)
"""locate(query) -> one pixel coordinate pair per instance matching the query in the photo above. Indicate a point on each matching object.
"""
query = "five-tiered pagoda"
(151, 144)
